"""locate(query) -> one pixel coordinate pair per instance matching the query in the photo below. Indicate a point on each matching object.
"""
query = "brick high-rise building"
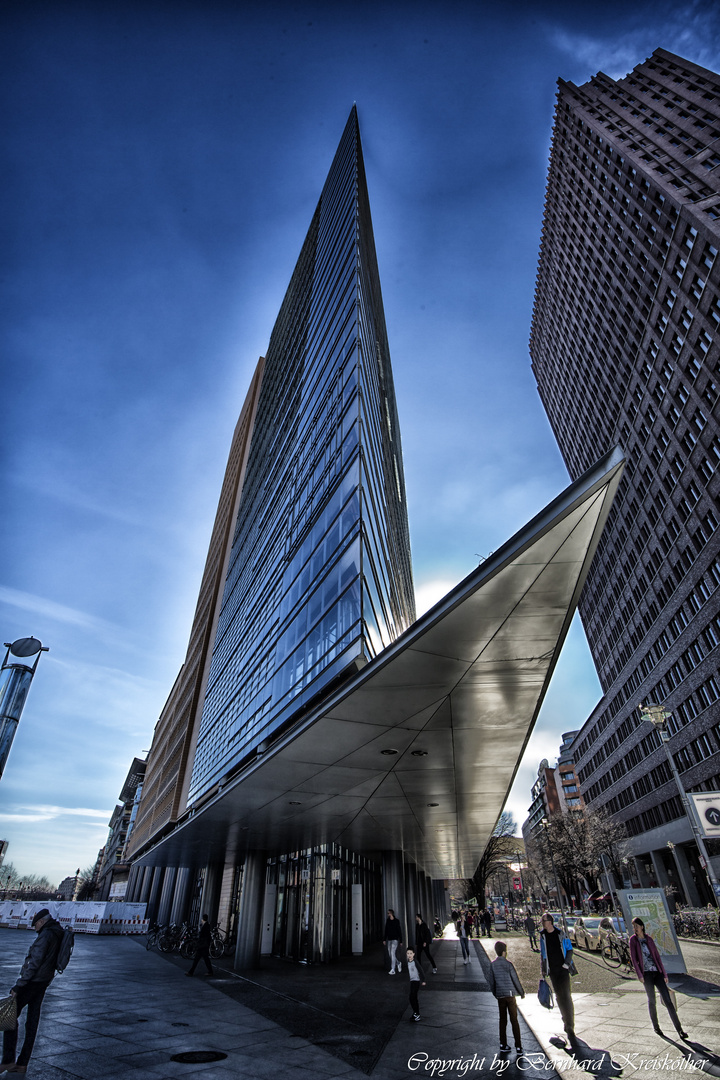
(625, 349)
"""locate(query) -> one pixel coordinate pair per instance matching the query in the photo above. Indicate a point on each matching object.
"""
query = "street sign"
(517, 884)
(707, 812)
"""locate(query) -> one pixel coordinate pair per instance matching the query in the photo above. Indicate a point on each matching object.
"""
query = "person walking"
(651, 972)
(393, 938)
(470, 922)
(531, 931)
(416, 981)
(555, 964)
(36, 974)
(423, 941)
(487, 922)
(462, 933)
(202, 950)
(505, 984)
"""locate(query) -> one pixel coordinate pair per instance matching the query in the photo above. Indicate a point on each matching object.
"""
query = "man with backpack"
(36, 975)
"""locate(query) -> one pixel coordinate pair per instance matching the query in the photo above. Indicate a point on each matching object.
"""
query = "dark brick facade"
(626, 349)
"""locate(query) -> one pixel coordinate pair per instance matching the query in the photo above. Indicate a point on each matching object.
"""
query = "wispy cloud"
(691, 30)
(40, 813)
(40, 605)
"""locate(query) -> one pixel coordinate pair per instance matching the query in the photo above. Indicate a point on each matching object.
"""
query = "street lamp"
(659, 716)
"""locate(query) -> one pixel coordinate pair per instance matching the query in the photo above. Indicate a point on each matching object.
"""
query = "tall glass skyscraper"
(323, 755)
(625, 350)
(319, 577)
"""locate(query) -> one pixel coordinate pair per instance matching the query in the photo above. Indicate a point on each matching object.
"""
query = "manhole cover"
(198, 1057)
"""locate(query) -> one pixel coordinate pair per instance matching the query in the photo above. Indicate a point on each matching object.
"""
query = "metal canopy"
(455, 697)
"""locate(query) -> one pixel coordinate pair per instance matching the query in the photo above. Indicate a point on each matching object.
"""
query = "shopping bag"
(8, 1013)
(545, 996)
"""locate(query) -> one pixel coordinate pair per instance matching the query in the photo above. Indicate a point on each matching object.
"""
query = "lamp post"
(659, 716)
(546, 826)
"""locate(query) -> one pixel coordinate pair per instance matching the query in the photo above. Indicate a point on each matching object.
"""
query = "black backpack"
(67, 944)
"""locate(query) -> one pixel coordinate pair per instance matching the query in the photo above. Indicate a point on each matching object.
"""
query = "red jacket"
(637, 957)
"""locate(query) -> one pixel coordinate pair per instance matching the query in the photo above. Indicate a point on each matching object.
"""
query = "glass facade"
(319, 573)
(313, 902)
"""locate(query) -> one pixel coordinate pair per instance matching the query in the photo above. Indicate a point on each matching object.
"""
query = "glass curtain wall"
(319, 572)
(313, 913)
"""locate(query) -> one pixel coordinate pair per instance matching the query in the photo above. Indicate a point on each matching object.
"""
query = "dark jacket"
(205, 936)
(423, 935)
(553, 953)
(40, 961)
(503, 979)
(393, 930)
(636, 956)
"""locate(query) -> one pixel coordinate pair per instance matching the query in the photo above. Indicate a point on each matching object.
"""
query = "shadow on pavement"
(702, 1057)
(591, 1059)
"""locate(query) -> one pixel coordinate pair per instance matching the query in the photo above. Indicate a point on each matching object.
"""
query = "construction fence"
(82, 916)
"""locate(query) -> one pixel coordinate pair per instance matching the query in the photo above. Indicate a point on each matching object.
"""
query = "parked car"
(589, 932)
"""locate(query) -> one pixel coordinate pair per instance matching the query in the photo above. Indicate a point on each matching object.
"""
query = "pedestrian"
(554, 962)
(651, 972)
(202, 949)
(416, 981)
(392, 939)
(470, 922)
(487, 922)
(531, 930)
(462, 934)
(505, 984)
(423, 941)
(35, 976)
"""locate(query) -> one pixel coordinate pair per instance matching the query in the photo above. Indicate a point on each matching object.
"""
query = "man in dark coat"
(202, 952)
(36, 975)
(423, 941)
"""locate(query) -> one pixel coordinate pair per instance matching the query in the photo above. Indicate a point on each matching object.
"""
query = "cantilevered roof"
(455, 698)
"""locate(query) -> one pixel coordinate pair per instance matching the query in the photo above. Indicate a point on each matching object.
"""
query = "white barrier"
(82, 916)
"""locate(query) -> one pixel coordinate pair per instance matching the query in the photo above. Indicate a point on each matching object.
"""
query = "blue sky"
(161, 164)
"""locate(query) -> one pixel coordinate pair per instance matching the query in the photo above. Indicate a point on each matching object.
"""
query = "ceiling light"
(389, 753)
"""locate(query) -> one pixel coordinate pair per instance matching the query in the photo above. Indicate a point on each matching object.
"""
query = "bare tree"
(499, 850)
(576, 843)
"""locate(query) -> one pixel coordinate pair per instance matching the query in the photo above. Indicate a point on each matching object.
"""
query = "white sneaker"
(399, 966)
(391, 971)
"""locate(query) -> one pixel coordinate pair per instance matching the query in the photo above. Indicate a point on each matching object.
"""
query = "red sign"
(517, 884)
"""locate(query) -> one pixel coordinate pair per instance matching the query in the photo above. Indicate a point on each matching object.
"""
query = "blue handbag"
(545, 995)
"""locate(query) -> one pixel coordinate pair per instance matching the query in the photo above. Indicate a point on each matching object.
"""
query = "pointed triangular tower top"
(319, 577)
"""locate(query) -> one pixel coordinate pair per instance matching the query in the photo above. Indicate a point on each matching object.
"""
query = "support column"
(210, 893)
(226, 897)
(411, 901)
(640, 861)
(685, 875)
(393, 888)
(133, 885)
(153, 899)
(661, 874)
(178, 910)
(166, 896)
(252, 899)
(144, 890)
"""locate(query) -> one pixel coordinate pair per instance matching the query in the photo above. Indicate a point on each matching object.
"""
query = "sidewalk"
(121, 1013)
(614, 1027)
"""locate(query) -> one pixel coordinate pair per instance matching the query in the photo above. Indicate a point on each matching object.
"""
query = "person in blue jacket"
(555, 964)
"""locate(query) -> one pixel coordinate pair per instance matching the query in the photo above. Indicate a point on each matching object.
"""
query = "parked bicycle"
(153, 934)
(616, 951)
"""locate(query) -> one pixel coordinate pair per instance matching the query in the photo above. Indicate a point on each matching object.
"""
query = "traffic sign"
(707, 811)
